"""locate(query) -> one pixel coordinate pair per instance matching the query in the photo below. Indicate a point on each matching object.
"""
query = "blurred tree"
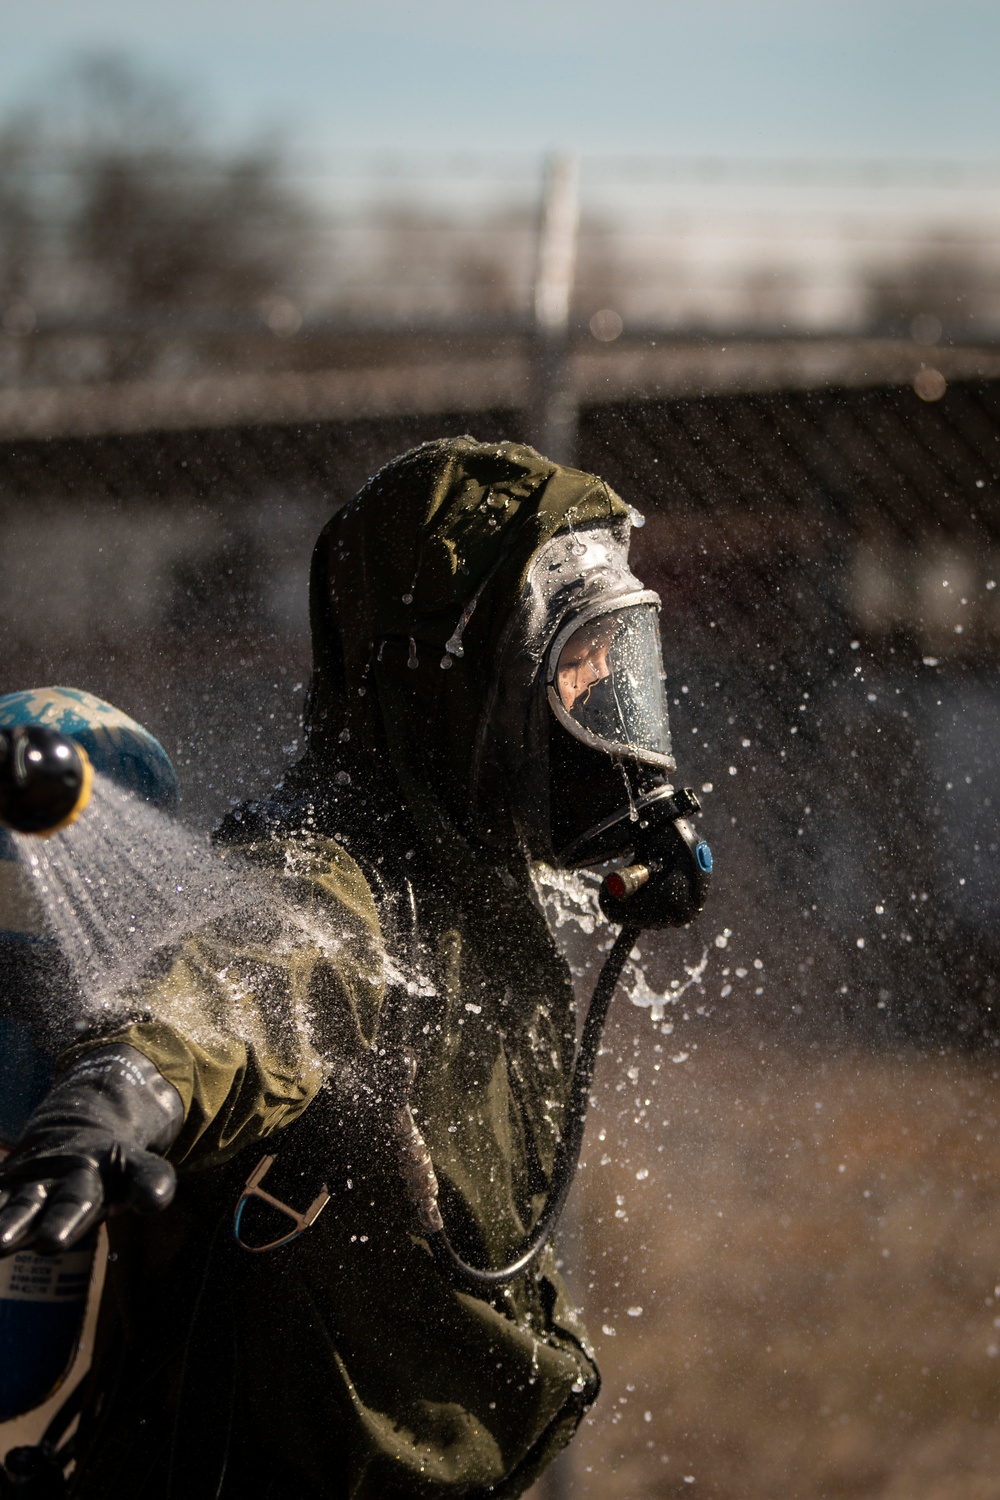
(429, 263)
(949, 289)
(419, 262)
(113, 205)
(18, 226)
(160, 220)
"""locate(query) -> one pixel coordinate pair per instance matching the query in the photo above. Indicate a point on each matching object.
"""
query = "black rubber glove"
(89, 1148)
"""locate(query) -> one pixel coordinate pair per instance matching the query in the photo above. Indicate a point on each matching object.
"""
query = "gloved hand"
(89, 1148)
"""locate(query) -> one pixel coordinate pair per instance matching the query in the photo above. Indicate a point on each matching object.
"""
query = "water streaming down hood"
(418, 595)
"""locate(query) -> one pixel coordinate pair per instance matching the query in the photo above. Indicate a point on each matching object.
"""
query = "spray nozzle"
(665, 883)
(45, 779)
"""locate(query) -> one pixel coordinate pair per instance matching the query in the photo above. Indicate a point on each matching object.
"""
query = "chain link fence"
(827, 564)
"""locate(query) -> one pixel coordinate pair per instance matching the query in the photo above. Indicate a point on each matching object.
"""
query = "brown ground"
(815, 1252)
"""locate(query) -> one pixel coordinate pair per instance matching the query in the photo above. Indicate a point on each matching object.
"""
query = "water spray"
(46, 779)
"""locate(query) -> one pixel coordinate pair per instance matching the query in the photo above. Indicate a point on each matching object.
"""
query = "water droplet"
(412, 661)
(578, 548)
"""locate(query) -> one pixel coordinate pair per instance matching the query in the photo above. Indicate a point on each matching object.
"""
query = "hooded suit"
(397, 920)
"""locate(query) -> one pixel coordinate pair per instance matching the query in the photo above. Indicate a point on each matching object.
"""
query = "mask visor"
(606, 684)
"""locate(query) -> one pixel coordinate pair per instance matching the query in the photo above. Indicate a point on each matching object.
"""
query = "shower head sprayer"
(45, 779)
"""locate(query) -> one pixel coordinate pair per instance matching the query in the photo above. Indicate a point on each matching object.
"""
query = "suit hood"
(416, 588)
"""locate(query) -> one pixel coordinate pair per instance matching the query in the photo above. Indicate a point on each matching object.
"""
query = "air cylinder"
(43, 1303)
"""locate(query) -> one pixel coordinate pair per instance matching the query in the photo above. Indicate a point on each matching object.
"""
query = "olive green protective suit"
(393, 913)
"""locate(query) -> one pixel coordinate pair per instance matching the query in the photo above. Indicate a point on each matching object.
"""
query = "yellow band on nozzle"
(86, 787)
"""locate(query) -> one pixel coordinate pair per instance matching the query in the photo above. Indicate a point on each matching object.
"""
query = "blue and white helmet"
(118, 747)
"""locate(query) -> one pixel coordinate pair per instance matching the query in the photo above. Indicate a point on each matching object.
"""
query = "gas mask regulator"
(610, 800)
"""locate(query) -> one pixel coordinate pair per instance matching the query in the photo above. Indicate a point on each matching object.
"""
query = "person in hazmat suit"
(487, 691)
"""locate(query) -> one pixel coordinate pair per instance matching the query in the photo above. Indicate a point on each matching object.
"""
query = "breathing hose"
(476, 1279)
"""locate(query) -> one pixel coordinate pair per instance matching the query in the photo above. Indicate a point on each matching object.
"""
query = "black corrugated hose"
(475, 1279)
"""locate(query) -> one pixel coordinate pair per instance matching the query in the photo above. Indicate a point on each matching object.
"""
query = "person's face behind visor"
(583, 661)
(606, 684)
(606, 688)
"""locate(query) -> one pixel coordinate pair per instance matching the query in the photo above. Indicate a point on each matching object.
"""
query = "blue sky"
(869, 78)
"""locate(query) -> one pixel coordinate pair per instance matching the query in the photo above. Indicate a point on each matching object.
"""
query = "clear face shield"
(609, 749)
(575, 739)
(606, 683)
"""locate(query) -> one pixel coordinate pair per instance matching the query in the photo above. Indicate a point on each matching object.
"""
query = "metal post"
(554, 414)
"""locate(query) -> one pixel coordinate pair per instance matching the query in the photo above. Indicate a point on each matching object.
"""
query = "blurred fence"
(130, 252)
(827, 562)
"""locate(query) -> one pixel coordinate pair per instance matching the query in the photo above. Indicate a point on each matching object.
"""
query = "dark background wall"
(826, 563)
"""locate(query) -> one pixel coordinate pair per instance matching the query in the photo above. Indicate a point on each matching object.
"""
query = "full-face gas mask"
(609, 736)
(574, 748)
(588, 775)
